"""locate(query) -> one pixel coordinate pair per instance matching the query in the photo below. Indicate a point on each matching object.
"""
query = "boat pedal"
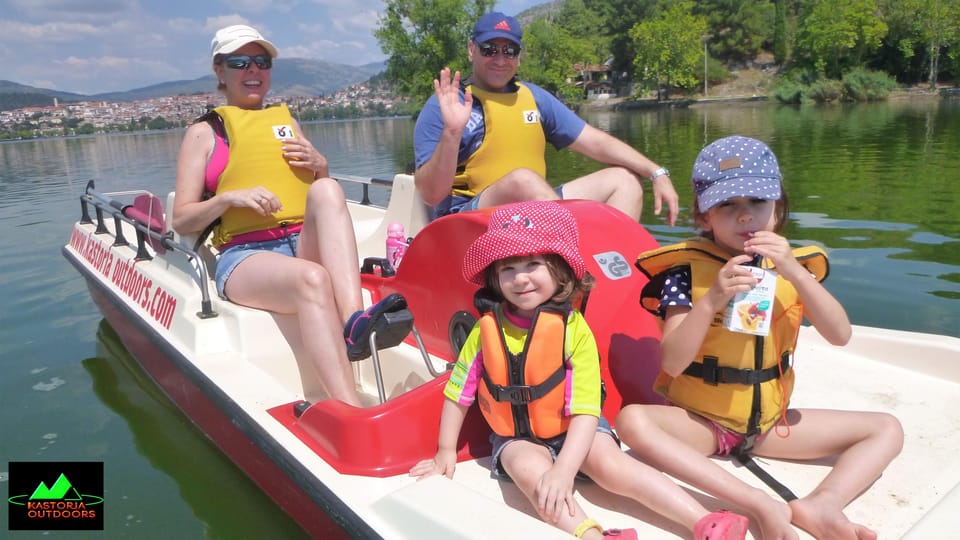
(391, 329)
(300, 407)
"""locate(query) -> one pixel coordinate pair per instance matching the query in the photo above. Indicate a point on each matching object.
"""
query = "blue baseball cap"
(732, 167)
(497, 25)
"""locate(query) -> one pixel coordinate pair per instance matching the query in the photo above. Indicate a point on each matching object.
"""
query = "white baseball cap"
(231, 38)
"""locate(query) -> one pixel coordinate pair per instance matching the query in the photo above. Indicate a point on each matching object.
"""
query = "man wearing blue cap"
(482, 143)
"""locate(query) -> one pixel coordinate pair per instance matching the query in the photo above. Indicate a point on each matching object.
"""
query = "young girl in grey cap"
(727, 373)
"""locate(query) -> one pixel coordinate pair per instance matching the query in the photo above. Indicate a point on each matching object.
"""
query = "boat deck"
(917, 496)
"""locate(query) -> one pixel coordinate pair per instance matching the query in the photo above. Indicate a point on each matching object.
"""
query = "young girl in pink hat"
(533, 363)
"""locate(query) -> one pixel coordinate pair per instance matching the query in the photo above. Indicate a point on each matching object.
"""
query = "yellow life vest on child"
(256, 159)
(523, 395)
(513, 139)
(741, 381)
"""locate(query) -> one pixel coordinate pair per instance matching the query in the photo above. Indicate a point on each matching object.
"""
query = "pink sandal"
(721, 525)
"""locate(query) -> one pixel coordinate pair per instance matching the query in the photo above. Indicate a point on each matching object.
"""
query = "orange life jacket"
(523, 395)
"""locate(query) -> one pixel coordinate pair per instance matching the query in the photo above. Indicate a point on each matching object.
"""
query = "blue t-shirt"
(561, 126)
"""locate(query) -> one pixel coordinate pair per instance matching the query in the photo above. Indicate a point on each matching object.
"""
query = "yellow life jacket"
(741, 381)
(256, 159)
(513, 139)
(523, 395)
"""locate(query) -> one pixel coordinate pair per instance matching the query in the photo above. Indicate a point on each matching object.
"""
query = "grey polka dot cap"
(735, 167)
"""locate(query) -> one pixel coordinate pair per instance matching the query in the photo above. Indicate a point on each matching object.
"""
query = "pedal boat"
(341, 471)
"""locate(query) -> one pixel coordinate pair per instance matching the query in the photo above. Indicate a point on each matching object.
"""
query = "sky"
(96, 46)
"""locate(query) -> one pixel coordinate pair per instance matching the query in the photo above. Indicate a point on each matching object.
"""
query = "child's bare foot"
(774, 519)
(826, 522)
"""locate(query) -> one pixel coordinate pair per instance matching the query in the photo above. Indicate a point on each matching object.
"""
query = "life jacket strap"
(744, 458)
(713, 374)
(523, 394)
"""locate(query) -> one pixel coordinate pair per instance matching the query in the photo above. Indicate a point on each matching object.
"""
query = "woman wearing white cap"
(249, 170)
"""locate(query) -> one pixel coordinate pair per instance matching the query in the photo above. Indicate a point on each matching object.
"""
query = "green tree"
(781, 51)
(934, 25)
(584, 24)
(549, 57)
(740, 28)
(669, 50)
(159, 122)
(837, 34)
(421, 37)
(617, 18)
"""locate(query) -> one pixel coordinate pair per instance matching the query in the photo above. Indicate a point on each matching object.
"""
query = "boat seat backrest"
(147, 209)
(206, 250)
(405, 207)
(627, 336)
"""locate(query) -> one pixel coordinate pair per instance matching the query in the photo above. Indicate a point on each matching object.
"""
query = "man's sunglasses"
(490, 49)
(242, 61)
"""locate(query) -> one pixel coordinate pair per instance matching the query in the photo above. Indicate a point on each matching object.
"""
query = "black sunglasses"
(242, 61)
(490, 49)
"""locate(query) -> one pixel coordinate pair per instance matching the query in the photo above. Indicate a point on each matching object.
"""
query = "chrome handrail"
(104, 202)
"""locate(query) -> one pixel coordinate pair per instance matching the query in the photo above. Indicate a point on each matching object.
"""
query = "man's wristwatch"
(659, 172)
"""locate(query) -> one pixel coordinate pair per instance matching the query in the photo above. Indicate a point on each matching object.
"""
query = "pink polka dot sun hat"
(522, 229)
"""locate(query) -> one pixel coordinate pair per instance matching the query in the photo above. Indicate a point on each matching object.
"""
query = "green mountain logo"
(62, 490)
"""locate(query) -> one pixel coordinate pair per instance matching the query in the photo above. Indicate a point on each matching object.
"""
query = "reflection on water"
(207, 480)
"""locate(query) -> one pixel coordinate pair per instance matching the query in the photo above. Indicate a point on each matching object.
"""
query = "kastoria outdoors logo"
(56, 496)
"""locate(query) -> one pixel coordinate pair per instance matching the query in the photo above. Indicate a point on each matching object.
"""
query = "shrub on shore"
(859, 84)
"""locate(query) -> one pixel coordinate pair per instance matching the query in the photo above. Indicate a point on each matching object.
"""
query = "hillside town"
(88, 117)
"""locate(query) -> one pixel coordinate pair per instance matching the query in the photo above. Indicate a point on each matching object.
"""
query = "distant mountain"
(539, 11)
(291, 77)
(14, 96)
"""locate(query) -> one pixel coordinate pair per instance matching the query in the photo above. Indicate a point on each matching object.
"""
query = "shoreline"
(627, 104)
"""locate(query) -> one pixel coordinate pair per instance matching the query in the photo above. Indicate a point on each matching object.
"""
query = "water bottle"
(396, 244)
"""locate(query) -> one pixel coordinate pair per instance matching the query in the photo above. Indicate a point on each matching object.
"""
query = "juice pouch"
(750, 312)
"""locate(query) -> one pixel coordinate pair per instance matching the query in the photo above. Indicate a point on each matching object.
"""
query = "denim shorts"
(234, 255)
(454, 204)
(553, 444)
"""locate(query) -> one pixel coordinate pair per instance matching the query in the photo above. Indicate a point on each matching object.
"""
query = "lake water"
(876, 185)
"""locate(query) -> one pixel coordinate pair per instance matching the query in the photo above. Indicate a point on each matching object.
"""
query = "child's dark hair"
(568, 286)
(781, 212)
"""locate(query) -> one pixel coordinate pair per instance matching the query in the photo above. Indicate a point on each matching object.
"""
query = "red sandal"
(721, 525)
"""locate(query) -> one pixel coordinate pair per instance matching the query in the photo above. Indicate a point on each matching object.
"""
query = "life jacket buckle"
(742, 451)
(711, 370)
(517, 395)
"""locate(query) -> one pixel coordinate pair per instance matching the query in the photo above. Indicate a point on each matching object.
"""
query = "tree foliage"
(618, 17)
(421, 37)
(837, 34)
(669, 46)
(926, 28)
(551, 52)
(660, 41)
(584, 24)
(739, 28)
